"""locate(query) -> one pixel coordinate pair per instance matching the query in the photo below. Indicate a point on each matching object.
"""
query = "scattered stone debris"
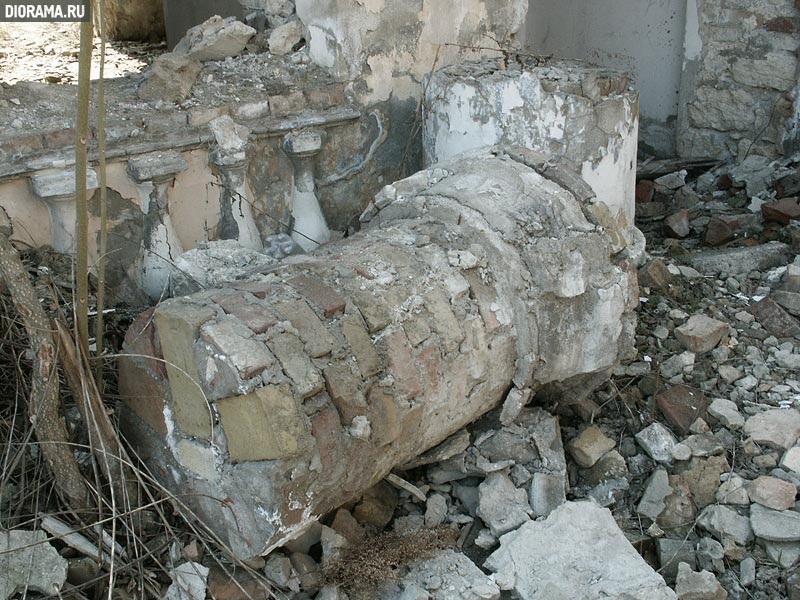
(29, 563)
(577, 552)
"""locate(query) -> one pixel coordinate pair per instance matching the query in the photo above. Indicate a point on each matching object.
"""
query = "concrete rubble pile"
(291, 393)
(692, 445)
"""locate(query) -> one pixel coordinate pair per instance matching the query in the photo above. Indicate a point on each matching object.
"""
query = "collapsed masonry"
(277, 399)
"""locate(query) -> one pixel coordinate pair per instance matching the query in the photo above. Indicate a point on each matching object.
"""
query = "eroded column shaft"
(286, 396)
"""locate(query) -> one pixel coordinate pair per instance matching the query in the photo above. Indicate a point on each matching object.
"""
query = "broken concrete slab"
(501, 505)
(776, 428)
(215, 39)
(577, 552)
(28, 562)
(775, 525)
(726, 524)
(736, 261)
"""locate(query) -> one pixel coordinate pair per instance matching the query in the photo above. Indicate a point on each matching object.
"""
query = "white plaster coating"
(476, 108)
(161, 248)
(310, 228)
(692, 42)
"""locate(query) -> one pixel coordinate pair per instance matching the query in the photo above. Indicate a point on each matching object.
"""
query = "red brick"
(774, 319)
(429, 361)
(782, 211)
(655, 274)
(259, 289)
(327, 430)
(319, 294)
(287, 103)
(383, 417)
(142, 339)
(718, 232)
(725, 182)
(60, 138)
(257, 317)
(681, 405)
(342, 387)
(143, 394)
(644, 191)
(782, 25)
(23, 144)
(402, 365)
(326, 97)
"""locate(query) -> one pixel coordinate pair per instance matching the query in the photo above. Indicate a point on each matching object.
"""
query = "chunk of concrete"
(690, 585)
(577, 552)
(658, 442)
(502, 506)
(170, 78)
(215, 39)
(776, 428)
(29, 562)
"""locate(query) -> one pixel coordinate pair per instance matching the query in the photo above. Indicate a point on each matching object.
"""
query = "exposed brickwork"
(343, 387)
(258, 318)
(319, 294)
(361, 345)
(178, 327)
(264, 425)
(320, 379)
(311, 330)
(402, 366)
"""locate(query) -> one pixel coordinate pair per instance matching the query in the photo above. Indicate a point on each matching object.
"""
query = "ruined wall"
(384, 49)
(740, 78)
(277, 399)
(644, 39)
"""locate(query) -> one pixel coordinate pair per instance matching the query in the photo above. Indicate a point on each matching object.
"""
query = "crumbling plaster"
(644, 39)
(387, 46)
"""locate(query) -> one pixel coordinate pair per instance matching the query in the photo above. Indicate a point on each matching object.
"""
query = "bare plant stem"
(101, 150)
(81, 196)
(44, 403)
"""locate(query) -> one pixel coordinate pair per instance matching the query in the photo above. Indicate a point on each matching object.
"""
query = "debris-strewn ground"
(48, 53)
(691, 446)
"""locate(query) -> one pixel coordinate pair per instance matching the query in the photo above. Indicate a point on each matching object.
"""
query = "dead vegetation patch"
(383, 557)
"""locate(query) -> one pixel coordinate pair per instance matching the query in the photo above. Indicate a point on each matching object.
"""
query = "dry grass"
(382, 557)
(150, 527)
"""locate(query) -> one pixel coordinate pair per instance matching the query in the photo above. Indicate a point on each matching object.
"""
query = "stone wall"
(739, 88)
(385, 48)
(277, 399)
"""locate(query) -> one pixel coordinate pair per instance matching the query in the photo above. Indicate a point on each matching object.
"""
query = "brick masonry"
(415, 328)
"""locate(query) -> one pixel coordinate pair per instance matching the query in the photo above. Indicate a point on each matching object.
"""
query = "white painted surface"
(468, 112)
(643, 37)
(309, 222)
(62, 223)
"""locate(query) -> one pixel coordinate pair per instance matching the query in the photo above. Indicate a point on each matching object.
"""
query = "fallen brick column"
(287, 395)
